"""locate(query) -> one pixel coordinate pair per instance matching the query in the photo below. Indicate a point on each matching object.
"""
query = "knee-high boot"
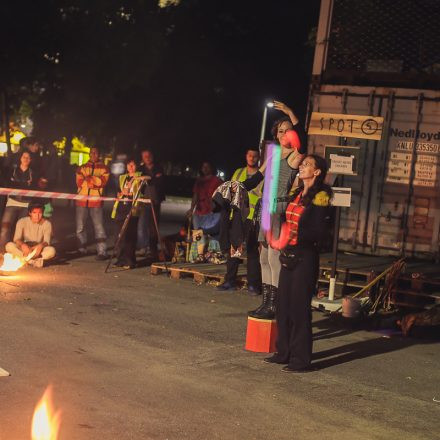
(268, 309)
(266, 289)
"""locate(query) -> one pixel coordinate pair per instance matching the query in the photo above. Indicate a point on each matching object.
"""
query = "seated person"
(32, 235)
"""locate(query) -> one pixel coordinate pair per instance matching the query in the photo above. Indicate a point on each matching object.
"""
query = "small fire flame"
(46, 422)
(10, 263)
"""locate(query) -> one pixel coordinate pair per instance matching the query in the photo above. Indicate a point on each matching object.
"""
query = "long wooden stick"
(124, 226)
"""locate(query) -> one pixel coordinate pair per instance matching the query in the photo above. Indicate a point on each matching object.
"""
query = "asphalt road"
(135, 356)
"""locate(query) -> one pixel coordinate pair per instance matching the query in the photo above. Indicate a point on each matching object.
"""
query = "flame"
(46, 422)
(11, 263)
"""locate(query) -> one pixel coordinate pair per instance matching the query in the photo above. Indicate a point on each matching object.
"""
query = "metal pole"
(332, 285)
(332, 281)
(356, 239)
(263, 126)
(405, 217)
(262, 135)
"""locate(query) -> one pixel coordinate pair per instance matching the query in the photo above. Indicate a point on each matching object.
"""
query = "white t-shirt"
(26, 230)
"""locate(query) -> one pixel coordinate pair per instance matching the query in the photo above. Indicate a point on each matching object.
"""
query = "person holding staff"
(307, 226)
(128, 187)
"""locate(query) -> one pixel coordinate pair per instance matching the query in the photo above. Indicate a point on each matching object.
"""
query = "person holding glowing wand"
(288, 151)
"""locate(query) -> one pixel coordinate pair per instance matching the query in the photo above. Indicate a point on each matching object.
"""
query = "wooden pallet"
(200, 272)
(353, 273)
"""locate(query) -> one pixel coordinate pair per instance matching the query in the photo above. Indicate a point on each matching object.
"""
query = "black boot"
(265, 289)
(268, 310)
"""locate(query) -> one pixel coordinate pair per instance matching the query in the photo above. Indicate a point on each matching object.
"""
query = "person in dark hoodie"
(307, 226)
(20, 175)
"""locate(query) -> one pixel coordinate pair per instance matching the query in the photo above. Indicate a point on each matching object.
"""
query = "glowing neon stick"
(270, 190)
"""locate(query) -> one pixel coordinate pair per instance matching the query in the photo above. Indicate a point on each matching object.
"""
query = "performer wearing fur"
(307, 226)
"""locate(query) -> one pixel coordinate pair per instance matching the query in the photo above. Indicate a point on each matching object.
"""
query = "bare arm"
(294, 160)
(286, 110)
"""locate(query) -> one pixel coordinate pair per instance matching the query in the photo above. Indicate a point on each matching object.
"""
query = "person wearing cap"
(32, 238)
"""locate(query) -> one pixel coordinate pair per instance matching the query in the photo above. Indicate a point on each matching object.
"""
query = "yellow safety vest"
(240, 175)
(136, 183)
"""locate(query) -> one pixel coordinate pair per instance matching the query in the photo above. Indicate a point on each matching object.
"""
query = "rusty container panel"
(395, 195)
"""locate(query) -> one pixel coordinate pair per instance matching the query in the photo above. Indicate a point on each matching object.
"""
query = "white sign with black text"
(341, 197)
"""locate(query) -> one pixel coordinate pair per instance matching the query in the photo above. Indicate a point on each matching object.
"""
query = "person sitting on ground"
(204, 220)
(32, 237)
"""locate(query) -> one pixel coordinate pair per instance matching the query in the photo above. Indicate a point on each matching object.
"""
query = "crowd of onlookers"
(26, 229)
(281, 241)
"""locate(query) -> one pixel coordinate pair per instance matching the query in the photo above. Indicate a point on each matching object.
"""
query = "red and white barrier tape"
(58, 195)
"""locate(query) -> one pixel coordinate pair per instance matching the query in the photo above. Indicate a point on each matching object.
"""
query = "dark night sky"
(189, 82)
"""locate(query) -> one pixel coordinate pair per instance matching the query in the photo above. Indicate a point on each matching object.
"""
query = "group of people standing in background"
(28, 169)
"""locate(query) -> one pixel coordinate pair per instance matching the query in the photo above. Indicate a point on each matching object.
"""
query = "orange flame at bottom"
(9, 263)
(45, 422)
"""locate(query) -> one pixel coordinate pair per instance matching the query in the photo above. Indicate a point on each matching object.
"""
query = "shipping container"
(392, 211)
(365, 65)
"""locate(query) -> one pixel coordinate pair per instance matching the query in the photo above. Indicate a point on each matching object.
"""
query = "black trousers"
(294, 311)
(253, 259)
(126, 252)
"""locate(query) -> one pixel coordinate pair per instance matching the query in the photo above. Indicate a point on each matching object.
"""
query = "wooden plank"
(433, 295)
(341, 125)
(344, 283)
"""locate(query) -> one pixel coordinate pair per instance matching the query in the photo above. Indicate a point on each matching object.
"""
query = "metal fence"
(394, 37)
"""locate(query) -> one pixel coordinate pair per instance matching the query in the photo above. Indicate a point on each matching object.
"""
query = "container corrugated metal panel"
(394, 211)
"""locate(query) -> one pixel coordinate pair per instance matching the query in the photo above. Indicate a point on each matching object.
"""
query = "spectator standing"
(128, 187)
(20, 175)
(201, 205)
(91, 179)
(307, 226)
(250, 230)
(147, 238)
(31, 145)
(33, 235)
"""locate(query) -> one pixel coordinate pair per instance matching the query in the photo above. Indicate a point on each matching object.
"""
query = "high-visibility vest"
(240, 175)
(135, 187)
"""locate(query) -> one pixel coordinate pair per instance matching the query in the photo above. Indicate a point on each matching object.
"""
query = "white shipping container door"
(380, 220)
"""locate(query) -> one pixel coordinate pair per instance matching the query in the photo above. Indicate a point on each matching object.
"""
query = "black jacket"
(231, 229)
(155, 187)
(314, 228)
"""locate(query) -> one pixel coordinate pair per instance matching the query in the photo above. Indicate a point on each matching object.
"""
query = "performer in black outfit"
(307, 225)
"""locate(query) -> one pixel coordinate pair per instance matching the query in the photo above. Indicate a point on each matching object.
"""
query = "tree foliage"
(184, 79)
